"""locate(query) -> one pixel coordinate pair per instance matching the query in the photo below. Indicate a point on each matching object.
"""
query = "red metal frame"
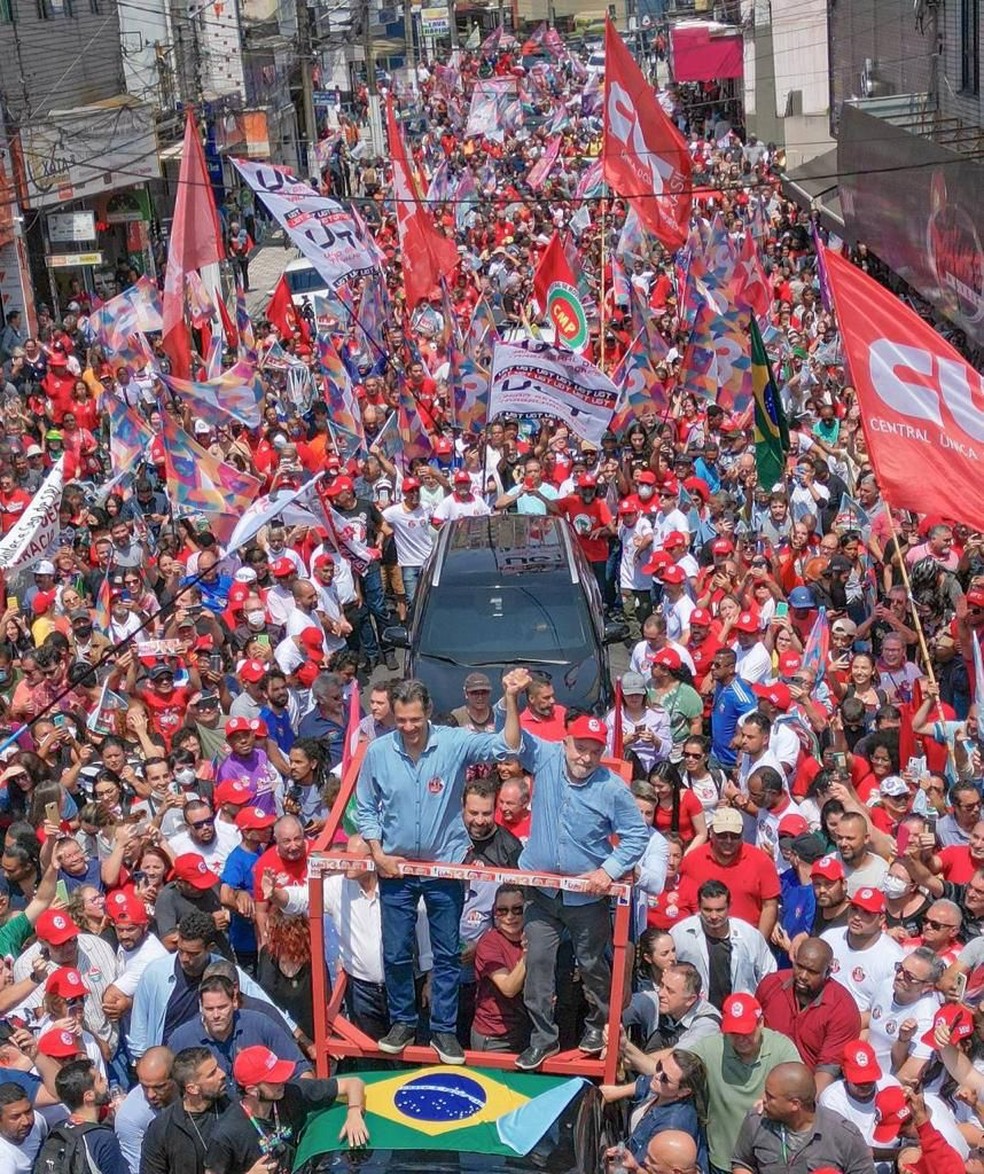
(334, 1036)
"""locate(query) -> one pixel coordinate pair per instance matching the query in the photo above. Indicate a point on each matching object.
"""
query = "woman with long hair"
(673, 1097)
(308, 763)
(698, 775)
(673, 691)
(87, 908)
(284, 967)
(677, 808)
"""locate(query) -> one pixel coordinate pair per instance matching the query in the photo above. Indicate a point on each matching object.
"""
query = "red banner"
(645, 157)
(922, 404)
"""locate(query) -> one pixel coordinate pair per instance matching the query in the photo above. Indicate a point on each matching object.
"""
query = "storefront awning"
(705, 51)
(813, 185)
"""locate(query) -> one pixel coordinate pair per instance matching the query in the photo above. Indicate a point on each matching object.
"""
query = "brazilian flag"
(475, 1110)
(771, 432)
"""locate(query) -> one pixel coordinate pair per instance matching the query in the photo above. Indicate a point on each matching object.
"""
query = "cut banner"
(920, 400)
(544, 165)
(35, 531)
(321, 228)
(533, 379)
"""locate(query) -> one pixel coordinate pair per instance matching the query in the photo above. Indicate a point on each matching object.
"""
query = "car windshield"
(541, 620)
(300, 281)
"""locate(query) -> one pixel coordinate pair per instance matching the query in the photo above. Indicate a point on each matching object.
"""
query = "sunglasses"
(934, 924)
(509, 910)
(660, 1075)
(693, 754)
(203, 823)
(907, 976)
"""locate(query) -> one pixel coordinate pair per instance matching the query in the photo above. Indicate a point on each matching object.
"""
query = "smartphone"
(263, 639)
(931, 821)
(139, 876)
(902, 839)
(43, 950)
(960, 987)
(51, 813)
(58, 721)
(215, 662)
(916, 766)
(61, 892)
(12, 604)
(782, 611)
(839, 759)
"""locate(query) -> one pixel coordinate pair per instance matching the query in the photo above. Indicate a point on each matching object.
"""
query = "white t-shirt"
(754, 665)
(862, 972)
(869, 876)
(412, 533)
(860, 1113)
(767, 831)
(886, 1018)
(641, 660)
(18, 1159)
(133, 963)
(453, 507)
(677, 616)
(630, 576)
(215, 854)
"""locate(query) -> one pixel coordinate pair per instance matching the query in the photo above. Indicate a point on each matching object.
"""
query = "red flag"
(427, 255)
(644, 156)
(281, 312)
(553, 266)
(228, 329)
(196, 241)
(920, 400)
(752, 290)
(351, 730)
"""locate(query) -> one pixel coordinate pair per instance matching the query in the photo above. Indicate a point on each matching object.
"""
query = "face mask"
(256, 619)
(645, 492)
(894, 887)
(185, 776)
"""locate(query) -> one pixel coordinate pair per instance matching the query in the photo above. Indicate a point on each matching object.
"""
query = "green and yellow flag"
(771, 432)
(476, 1110)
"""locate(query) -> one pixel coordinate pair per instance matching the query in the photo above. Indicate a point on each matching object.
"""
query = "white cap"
(245, 575)
(34, 450)
(44, 568)
(201, 426)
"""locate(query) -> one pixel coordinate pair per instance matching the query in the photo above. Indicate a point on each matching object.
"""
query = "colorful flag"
(482, 331)
(818, 646)
(195, 241)
(644, 156)
(592, 182)
(752, 289)
(344, 413)
(919, 400)
(466, 197)
(716, 364)
(129, 435)
(771, 432)
(200, 483)
(470, 392)
(641, 388)
(620, 283)
(643, 323)
(544, 165)
(244, 327)
(201, 307)
(413, 434)
(632, 239)
(473, 1110)
(103, 618)
(237, 393)
(429, 254)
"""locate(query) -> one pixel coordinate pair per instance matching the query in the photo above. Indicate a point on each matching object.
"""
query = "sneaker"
(397, 1038)
(447, 1047)
(533, 1057)
(592, 1042)
(389, 659)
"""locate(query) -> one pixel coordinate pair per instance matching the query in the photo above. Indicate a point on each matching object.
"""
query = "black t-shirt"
(719, 965)
(235, 1145)
(365, 518)
(182, 1006)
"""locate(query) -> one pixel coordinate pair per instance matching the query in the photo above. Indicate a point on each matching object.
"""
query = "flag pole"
(920, 634)
(601, 307)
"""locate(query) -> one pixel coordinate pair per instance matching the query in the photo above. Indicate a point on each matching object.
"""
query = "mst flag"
(644, 156)
(475, 1111)
(771, 432)
(553, 267)
(920, 400)
(427, 254)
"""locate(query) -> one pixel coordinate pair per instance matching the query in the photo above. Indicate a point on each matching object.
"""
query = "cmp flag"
(771, 432)
(919, 400)
(474, 1111)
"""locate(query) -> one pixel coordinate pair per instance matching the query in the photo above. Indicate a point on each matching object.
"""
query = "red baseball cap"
(859, 1063)
(958, 1018)
(59, 1045)
(126, 909)
(646, 477)
(700, 617)
(670, 486)
(828, 868)
(312, 638)
(746, 622)
(789, 663)
(340, 485)
(282, 567)
(443, 446)
(870, 900)
(659, 560)
(252, 671)
(587, 481)
(675, 538)
(258, 1065)
(238, 592)
(793, 825)
(191, 868)
(235, 791)
(55, 928)
(629, 505)
(891, 1112)
(673, 574)
(66, 982)
(668, 658)
(461, 478)
(410, 483)
(975, 596)
(740, 1014)
(591, 729)
(237, 725)
(254, 818)
(778, 694)
(259, 727)
(722, 546)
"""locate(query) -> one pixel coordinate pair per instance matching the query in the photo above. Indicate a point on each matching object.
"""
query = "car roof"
(499, 547)
(298, 264)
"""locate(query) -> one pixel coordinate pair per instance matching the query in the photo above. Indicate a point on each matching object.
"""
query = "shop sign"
(69, 227)
(72, 260)
(435, 22)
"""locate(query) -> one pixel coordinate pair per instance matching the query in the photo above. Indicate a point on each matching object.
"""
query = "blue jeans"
(373, 608)
(444, 901)
(411, 577)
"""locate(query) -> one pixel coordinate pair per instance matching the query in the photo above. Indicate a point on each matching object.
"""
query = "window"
(6, 12)
(970, 33)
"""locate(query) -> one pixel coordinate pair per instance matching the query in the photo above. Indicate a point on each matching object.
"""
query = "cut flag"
(236, 393)
(644, 157)
(771, 431)
(283, 314)
(428, 255)
(553, 267)
(195, 241)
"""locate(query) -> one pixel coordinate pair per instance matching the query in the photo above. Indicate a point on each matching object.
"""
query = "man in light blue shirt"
(578, 807)
(408, 807)
(531, 494)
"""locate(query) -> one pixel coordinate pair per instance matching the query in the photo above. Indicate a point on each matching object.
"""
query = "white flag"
(37, 528)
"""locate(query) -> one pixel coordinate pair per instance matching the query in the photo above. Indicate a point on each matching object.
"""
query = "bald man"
(812, 1009)
(155, 1089)
(807, 1138)
(669, 1152)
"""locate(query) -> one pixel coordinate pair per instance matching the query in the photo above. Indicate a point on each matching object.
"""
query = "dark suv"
(506, 590)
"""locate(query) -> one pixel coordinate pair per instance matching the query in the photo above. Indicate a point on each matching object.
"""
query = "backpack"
(63, 1151)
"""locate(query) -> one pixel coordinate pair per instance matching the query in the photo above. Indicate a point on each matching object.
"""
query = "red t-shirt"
(752, 879)
(585, 517)
(166, 713)
(551, 728)
(495, 1014)
(958, 867)
(690, 806)
(285, 872)
(677, 901)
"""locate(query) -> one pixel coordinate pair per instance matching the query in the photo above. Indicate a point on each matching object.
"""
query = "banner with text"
(37, 528)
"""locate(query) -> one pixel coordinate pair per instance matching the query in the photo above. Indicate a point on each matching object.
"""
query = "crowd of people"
(788, 776)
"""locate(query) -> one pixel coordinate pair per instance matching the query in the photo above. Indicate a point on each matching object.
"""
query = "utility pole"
(307, 88)
(408, 38)
(375, 117)
(454, 24)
